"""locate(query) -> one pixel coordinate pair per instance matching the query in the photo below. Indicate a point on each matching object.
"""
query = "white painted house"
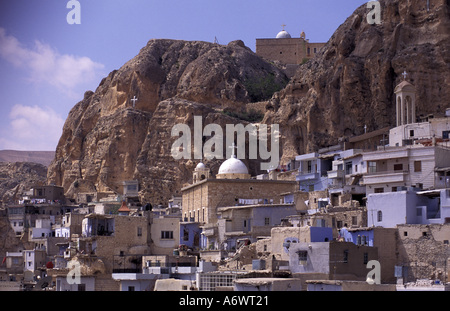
(397, 168)
(408, 207)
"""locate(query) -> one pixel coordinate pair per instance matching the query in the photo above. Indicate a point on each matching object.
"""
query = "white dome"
(233, 166)
(201, 166)
(283, 35)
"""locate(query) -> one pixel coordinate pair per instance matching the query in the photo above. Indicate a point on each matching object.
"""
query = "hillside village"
(317, 223)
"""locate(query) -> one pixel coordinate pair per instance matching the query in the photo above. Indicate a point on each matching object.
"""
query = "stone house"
(165, 235)
(384, 239)
(331, 260)
(106, 243)
(250, 222)
(282, 238)
(424, 253)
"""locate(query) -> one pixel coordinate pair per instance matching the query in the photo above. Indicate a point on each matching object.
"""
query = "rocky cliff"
(350, 83)
(18, 177)
(106, 140)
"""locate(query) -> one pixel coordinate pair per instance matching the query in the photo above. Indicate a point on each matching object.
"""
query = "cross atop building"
(283, 26)
(233, 150)
(134, 100)
(405, 75)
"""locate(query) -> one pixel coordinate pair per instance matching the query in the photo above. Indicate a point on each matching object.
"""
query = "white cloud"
(45, 64)
(32, 128)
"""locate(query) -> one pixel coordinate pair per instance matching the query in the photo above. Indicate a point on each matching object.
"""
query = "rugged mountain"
(41, 157)
(106, 141)
(350, 83)
(18, 177)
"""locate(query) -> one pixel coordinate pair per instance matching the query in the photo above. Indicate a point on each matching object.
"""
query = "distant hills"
(41, 157)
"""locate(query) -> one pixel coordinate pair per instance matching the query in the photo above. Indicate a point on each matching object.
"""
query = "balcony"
(385, 177)
(180, 268)
(336, 174)
(303, 176)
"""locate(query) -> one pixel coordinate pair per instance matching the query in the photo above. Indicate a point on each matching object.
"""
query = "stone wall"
(424, 251)
(213, 193)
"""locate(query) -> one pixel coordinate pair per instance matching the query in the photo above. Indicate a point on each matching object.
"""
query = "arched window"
(399, 111)
(380, 216)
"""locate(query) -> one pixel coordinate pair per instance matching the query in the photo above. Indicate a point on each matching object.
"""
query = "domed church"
(233, 168)
(233, 189)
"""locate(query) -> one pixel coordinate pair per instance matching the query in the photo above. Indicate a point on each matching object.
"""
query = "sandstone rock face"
(106, 141)
(18, 177)
(351, 82)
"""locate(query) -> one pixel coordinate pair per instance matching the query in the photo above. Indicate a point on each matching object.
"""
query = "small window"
(405, 233)
(417, 166)
(302, 256)
(321, 223)
(345, 259)
(266, 221)
(366, 258)
(380, 216)
(398, 167)
(372, 167)
(167, 235)
(354, 220)
(379, 190)
(139, 231)
(348, 168)
(424, 234)
(185, 234)
(446, 134)
(411, 133)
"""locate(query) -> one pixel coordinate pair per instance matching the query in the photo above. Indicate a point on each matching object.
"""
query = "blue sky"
(46, 64)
